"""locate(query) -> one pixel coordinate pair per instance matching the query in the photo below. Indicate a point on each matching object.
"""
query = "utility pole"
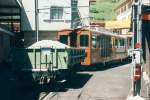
(36, 20)
(137, 48)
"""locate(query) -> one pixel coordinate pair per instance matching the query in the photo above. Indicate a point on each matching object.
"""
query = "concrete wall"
(30, 37)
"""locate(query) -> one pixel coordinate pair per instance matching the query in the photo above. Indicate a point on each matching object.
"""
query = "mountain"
(103, 10)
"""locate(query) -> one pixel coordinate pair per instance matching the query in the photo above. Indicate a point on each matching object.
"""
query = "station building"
(9, 27)
(42, 19)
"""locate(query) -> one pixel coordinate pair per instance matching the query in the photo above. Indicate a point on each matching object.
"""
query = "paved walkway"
(111, 84)
(104, 84)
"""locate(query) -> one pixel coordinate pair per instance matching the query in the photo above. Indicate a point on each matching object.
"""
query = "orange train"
(100, 45)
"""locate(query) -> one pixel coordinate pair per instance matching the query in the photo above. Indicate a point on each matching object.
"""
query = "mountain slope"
(104, 10)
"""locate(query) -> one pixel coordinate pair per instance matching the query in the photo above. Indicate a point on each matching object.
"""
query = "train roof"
(65, 30)
(97, 31)
(100, 30)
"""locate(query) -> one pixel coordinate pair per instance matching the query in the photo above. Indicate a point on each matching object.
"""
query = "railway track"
(57, 95)
(48, 96)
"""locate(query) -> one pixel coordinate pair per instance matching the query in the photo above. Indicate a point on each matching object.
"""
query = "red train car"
(100, 46)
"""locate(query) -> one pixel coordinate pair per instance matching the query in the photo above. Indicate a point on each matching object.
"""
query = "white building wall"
(146, 2)
(83, 6)
(48, 28)
(28, 15)
(45, 23)
(125, 15)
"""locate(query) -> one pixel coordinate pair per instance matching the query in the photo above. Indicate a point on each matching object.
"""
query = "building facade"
(9, 27)
(53, 15)
(123, 10)
(121, 25)
(6, 43)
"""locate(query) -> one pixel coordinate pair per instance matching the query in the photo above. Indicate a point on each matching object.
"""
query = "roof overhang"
(9, 12)
(10, 3)
(9, 8)
(6, 31)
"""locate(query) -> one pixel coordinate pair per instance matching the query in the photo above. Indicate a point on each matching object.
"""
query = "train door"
(113, 42)
(120, 51)
(102, 46)
(73, 38)
(105, 45)
(95, 49)
(84, 41)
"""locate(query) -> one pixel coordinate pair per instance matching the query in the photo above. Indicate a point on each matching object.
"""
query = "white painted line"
(130, 94)
(50, 96)
(146, 78)
(135, 98)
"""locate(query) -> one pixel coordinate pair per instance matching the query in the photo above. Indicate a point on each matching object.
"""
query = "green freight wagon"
(45, 62)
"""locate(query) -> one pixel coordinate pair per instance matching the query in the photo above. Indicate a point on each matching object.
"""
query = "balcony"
(125, 15)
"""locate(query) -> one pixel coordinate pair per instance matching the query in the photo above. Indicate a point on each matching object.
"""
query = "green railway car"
(45, 62)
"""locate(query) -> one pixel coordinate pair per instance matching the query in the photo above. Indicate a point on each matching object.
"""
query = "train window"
(94, 41)
(64, 39)
(116, 43)
(84, 40)
(101, 41)
(130, 42)
(122, 43)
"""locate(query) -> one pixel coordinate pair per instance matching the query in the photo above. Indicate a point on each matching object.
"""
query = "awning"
(9, 14)
(9, 8)
(6, 32)
(122, 24)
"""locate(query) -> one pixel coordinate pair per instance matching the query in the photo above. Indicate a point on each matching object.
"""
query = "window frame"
(56, 8)
(84, 40)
